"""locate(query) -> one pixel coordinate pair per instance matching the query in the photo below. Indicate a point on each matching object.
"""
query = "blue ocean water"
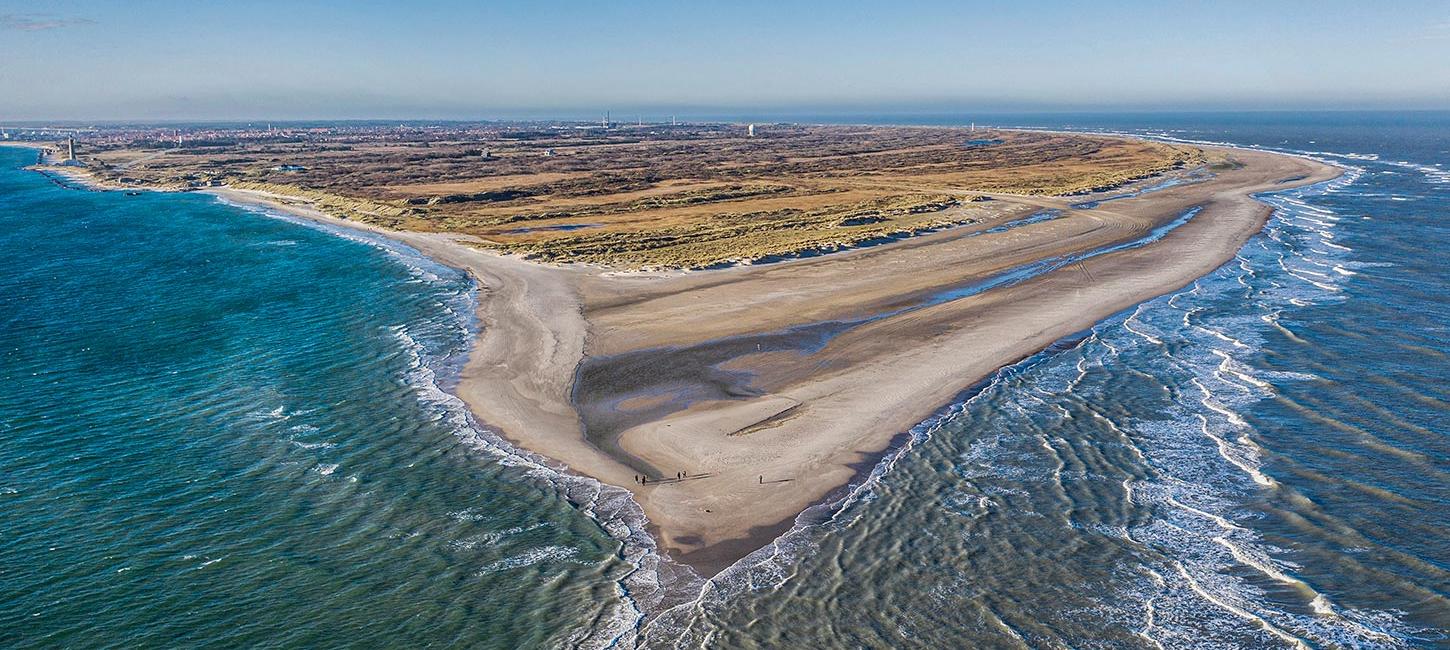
(221, 427)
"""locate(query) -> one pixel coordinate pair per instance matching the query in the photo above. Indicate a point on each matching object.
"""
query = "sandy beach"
(766, 388)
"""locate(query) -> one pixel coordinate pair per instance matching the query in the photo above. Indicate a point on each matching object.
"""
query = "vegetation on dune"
(665, 201)
(732, 237)
(342, 207)
(688, 196)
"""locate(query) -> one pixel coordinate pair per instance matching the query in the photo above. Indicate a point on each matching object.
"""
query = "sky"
(301, 59)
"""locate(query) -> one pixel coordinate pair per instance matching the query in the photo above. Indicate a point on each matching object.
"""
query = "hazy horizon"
(1006, 119)
(162, 60)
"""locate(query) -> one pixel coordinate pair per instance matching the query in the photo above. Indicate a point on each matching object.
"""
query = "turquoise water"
(225, 428)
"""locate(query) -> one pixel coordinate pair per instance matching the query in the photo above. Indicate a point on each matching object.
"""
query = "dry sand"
(803, 372)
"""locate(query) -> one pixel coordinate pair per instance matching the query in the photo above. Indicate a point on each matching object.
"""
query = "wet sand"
(773, 386)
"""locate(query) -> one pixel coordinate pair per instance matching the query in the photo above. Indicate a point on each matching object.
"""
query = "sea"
(224, 427)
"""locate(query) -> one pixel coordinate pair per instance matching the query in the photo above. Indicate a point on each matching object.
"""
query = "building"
(750, 131)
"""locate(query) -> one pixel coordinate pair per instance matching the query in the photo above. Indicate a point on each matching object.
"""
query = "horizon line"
(704, 116)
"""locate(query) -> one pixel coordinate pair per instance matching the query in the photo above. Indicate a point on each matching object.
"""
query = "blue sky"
(144, 59)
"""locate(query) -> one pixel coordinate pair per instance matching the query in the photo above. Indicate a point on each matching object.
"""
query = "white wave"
(1240, 612)
(1432, 173)
(1218, 520)
(1231, 366)
(1273, 319)
(530, 558)
(491, 538)
(1222, 336)
(1150, 614)
(314, 445)
(1319, 603)
(278, 414)
(469, 514)
(1128, 325)
(1244, 459)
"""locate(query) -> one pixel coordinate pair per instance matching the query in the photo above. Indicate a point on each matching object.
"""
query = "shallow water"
(222, 426)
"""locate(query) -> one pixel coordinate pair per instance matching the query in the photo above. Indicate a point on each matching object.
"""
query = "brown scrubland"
(661, 197)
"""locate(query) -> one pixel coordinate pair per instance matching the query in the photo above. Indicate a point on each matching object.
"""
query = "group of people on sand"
(644, 480)
(679, 476)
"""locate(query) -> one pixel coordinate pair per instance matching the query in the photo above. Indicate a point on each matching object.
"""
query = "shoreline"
(539, 324)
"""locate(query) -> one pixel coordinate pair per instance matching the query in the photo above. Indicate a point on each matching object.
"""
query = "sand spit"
(773, 385)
